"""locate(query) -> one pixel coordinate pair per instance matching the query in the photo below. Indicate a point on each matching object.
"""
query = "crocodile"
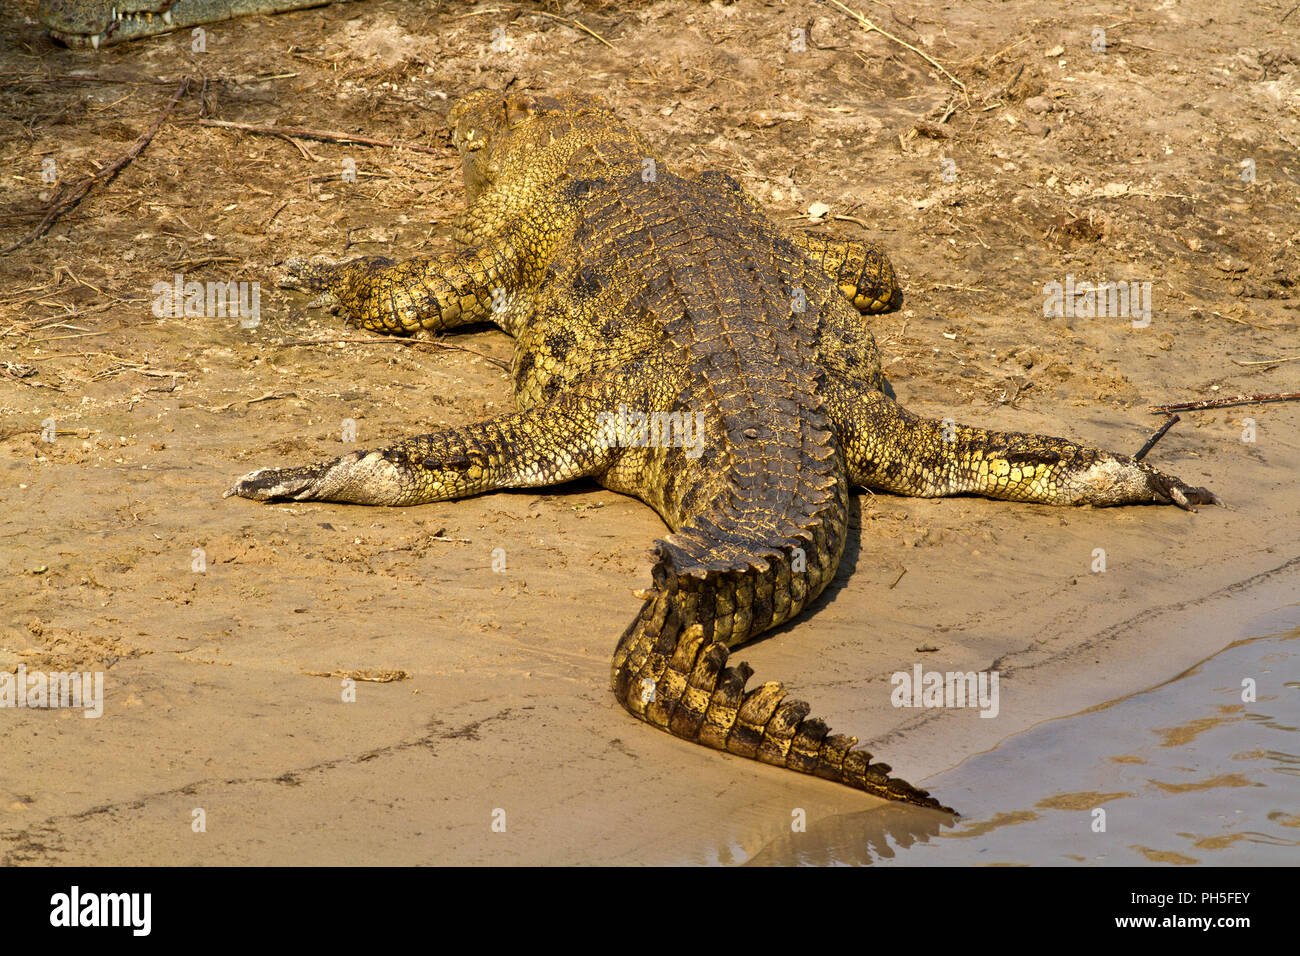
(96, 23)
(644, 304)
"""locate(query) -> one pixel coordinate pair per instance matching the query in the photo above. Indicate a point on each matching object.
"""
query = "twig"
(1233, 318)
(78, 192)
(269, 396)
(59, 355)
(573, 23)
(1289, 12)
(899, 578)
(871, 27)
(585, 29)
(1272, 361)
(1223, 402)
(325, 136)
(183, 264)
(306, 153)
(1151, 442)
(374, 676)
(1007, 89)
(855, 219)
(409, 343)
(995, 56)
(1149, 49)
(79, 335)
(74, 77)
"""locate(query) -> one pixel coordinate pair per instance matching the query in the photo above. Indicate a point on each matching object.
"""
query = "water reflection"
(1189, 772)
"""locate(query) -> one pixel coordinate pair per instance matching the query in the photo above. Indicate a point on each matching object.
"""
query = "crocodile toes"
(313, 276)
(1184, 496)
(1187, 497)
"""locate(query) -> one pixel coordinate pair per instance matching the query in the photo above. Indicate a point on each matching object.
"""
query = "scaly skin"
(95, 23)
(627, 287)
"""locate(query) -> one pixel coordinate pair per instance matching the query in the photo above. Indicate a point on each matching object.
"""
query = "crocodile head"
(94, 23)
(503, 133)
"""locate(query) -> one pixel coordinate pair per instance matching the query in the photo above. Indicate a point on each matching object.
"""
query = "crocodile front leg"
(890, 449)
(425, 292)
(546, 445)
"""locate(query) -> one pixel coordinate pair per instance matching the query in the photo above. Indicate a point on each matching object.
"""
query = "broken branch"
(1151, 442)
(1222, 402)
(79, 191)
(870, 27)
(324, 136)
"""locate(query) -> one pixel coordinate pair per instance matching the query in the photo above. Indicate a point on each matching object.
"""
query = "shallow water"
(1187, 772)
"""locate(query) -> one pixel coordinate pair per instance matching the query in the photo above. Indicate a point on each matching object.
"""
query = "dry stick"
(573, 23)
(269, 396)
(1223, 402)
(409, 343)
(78, 192)
(871, 27)
(325, 136)
(1151, 442)
(74, 77)
(1272, 361)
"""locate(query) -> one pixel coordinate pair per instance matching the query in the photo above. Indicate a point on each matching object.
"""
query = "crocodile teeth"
(167, 17)
(94, 41)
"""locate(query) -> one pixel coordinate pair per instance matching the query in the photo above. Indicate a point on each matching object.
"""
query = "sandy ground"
(1128, 164)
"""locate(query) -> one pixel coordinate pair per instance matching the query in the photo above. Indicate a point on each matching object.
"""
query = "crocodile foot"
(274, 484)
(361, 477)
(342, 286)
(1169, 489)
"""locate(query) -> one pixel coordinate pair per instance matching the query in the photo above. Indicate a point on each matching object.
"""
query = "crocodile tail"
(671, 670)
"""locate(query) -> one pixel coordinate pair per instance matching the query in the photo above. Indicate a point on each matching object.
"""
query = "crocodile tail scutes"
(672, 671)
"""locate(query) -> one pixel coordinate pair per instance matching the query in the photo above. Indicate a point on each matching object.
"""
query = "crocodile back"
(758, 516)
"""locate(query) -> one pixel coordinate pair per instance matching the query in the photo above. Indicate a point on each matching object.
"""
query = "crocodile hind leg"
(890, 449)
(860, 269)
(545, 445)
(667, 672)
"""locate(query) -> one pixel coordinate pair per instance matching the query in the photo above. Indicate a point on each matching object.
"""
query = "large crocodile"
(96, 23)
(644, 305)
